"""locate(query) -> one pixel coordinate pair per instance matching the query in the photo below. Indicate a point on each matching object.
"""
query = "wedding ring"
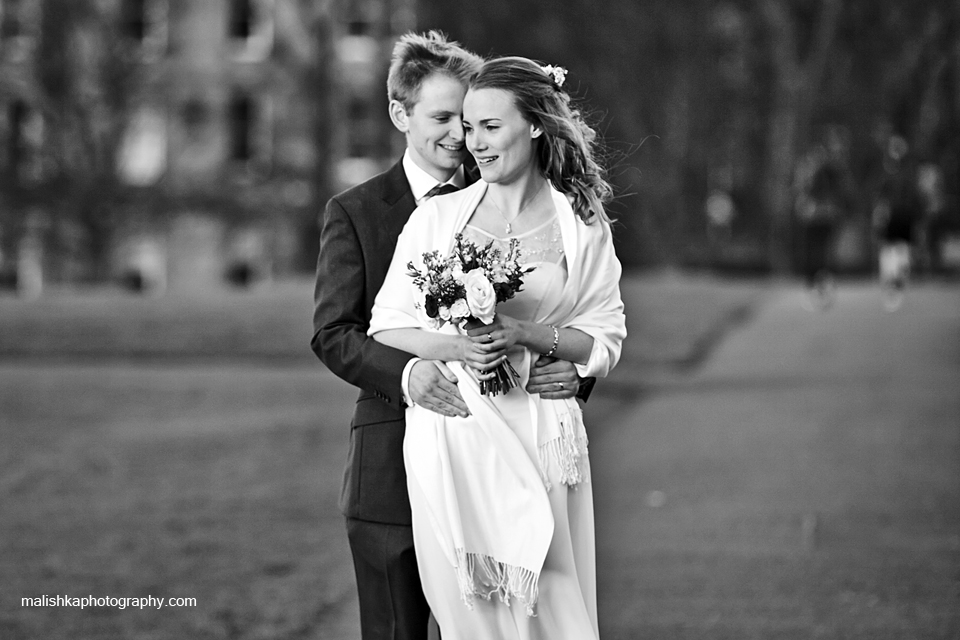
(561, 384)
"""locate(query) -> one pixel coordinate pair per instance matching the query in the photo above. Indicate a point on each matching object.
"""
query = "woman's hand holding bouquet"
(464, 289)
(498, 336)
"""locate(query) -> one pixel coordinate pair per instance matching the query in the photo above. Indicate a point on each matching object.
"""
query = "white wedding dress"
(566, 606)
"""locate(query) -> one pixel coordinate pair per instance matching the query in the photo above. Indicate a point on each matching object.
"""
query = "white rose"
(459, 310)
(481, 298)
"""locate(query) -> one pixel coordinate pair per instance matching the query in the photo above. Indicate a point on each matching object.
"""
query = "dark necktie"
(441, 189)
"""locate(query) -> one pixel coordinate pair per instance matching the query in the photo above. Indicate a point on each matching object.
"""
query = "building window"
(134, 19)
(242, 117)
(241, 18)
(194, 114)
(363, 17)
(145, 22)
(11, 23)
(17, 21)
(362, 128)
(359, 27)
(250, 29)
(17, 141)
(249, 131)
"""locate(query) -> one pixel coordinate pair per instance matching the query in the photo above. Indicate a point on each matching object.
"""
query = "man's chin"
(454, 160)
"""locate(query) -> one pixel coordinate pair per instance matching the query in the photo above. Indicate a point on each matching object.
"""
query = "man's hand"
(433, 386)
(553, 379)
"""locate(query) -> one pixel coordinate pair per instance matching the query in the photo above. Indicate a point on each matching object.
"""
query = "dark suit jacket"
(357, 239)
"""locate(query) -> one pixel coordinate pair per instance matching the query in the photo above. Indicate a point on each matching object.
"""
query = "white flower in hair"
(559, 74)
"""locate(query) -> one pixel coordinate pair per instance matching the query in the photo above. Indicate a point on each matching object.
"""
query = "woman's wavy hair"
(566, 151)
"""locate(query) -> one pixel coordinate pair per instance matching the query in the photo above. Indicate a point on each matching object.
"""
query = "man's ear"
(398, 116)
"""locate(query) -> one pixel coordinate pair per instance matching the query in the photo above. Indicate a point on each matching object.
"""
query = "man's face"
(434, 126)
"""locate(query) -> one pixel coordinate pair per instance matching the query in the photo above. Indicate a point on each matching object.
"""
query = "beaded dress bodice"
(540, 248)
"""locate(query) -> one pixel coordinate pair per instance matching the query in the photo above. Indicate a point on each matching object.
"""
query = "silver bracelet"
(556, 341)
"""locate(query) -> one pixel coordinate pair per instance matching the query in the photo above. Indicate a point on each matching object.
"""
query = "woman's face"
(498, 136)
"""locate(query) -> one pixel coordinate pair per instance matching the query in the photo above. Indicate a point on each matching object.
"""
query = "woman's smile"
(497, 135)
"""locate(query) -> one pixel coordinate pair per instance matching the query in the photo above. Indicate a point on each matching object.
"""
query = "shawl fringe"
(568, 449)
(484, 576)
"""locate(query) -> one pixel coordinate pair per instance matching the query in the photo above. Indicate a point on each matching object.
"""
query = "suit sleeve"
(586, 388)
(341, 316)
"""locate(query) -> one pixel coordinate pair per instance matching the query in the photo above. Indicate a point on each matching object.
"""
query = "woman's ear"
(398, 116)
(535, 131)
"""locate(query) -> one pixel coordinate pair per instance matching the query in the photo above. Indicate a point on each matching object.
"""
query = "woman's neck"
(519, 194)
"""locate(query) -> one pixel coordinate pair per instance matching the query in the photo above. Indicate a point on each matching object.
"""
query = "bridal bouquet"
(464, 288)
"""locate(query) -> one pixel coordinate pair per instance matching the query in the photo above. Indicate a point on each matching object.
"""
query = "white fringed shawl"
(488, 503)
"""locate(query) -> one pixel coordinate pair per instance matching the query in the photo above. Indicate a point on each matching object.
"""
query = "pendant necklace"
(509, 228)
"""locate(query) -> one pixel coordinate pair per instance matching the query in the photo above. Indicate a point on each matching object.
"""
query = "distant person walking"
(823, 200)
(895, 220)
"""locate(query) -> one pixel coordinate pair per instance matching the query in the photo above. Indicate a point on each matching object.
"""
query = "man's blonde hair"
(418, 56)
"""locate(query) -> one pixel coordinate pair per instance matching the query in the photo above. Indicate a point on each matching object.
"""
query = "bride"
(502, 503)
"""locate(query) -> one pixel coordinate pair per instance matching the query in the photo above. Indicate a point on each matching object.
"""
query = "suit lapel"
(385, 209)
(396, 195)
(396, 188)
(397, 200)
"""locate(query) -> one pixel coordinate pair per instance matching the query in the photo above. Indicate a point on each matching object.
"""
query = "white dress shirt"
(421, 182)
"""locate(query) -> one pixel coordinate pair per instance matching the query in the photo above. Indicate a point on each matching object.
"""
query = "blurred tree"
(910, 83)
(304, 50)
(87, 78)
(800, 36)
(728, 95)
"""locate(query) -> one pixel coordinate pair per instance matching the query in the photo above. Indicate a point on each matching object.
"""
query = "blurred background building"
(171, 143)
(180, 144)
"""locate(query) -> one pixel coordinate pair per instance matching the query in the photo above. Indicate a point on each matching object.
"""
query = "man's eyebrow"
(442, 112)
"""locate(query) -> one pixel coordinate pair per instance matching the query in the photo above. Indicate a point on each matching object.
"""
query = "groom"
(426, 85)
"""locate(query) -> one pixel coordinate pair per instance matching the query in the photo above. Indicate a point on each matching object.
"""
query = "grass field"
(212, 482)
(193, 447)
(671, 318)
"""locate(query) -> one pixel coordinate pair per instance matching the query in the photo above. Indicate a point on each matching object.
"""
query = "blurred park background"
(165, 143)
(762, 471)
